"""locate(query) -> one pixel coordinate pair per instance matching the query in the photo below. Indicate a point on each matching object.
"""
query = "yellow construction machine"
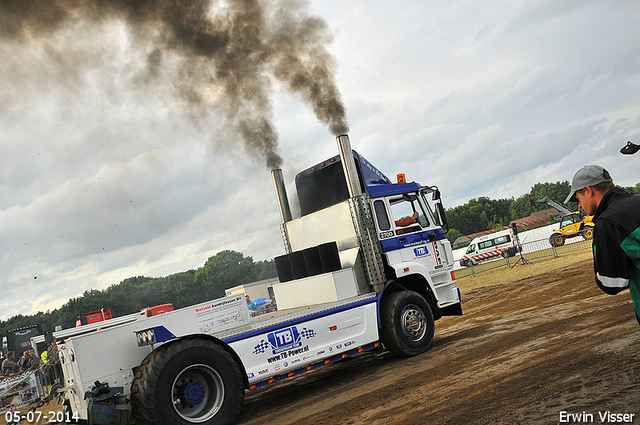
(572, 224)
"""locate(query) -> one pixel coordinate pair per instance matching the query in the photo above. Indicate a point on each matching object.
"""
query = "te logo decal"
(283, 340)
(420, 251)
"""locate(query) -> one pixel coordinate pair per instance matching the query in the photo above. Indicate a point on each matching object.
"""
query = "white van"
(493, 245)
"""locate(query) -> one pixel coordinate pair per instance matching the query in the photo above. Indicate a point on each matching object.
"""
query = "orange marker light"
(402, 178)
(333, 328)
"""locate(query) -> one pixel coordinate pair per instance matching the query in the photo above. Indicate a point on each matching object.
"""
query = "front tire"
(191, 381)
(556, 240)
(407, 324)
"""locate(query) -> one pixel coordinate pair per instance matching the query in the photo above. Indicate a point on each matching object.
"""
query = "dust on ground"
(527, 348)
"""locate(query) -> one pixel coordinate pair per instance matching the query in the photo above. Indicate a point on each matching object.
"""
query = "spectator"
(616, 235)
(250, 305)
(34, 362)
(24, 360)
(9, 366)
(52, 369)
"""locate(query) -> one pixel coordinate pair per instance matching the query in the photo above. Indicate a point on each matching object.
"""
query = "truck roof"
(377, 191)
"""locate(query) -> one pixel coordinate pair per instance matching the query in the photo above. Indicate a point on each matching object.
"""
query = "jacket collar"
(610, 196)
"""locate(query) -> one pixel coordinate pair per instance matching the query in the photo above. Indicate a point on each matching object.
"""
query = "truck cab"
(397, 229)
(415, 251)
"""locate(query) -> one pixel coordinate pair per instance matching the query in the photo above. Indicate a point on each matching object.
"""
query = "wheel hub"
(192, 393)
(198, 393)
(414, 323)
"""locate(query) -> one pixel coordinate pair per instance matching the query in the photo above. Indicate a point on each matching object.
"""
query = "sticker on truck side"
(436, 250)
(284, 340)
(420, 251)
(222, 314)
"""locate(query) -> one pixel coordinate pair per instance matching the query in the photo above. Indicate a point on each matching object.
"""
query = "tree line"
(224, 270)
(228, 268)
(480, 214)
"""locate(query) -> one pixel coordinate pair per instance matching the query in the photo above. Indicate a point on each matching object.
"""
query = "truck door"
(409, 233)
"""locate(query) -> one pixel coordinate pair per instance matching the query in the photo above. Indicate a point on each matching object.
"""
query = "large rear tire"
(587, 233)
(192, 381)
(407, 324)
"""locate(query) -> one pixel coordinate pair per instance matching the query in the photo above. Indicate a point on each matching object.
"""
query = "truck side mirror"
(442, 217)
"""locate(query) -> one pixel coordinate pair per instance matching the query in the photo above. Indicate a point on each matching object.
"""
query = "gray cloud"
(220, 55)
(121, 155)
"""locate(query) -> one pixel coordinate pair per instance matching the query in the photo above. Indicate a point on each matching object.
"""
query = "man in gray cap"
(616, 236)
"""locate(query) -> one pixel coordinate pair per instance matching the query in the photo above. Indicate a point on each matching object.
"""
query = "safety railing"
(530, 252)
(29, 389)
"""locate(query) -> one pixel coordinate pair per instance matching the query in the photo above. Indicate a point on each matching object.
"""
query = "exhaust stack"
(349, 166)
(281, 193)
(362, 218)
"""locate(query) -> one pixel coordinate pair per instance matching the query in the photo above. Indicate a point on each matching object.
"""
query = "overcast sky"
(101, 180)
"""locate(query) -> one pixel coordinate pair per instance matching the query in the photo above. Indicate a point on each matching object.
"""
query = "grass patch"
(521, 271)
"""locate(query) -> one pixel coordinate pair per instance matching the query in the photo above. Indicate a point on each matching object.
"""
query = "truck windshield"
(570, 219)
(407, 210)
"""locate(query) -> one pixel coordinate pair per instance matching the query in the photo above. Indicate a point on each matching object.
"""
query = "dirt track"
(522, 353)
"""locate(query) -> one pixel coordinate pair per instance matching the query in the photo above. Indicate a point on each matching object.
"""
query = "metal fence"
(31, 388)
(530, 251)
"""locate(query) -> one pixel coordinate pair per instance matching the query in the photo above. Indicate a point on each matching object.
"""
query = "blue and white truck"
(367, 263)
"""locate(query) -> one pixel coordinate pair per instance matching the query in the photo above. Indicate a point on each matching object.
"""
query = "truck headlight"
(155, 335)
(146, 337)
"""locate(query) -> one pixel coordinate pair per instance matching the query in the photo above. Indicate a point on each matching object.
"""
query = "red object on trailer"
(159, 309)
(93, 317)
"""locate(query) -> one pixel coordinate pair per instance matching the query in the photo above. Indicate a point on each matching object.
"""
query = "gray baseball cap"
(589, 175)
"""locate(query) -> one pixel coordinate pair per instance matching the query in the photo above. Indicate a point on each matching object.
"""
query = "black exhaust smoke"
(238, 49)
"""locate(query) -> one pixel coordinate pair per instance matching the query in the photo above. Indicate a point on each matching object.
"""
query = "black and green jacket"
(616, 244)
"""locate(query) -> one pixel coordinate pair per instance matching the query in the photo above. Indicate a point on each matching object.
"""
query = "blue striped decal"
(300, 320)
(411, 239)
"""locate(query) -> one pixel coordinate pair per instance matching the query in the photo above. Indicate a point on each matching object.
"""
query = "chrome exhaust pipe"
(349, 166)
(281, 193)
